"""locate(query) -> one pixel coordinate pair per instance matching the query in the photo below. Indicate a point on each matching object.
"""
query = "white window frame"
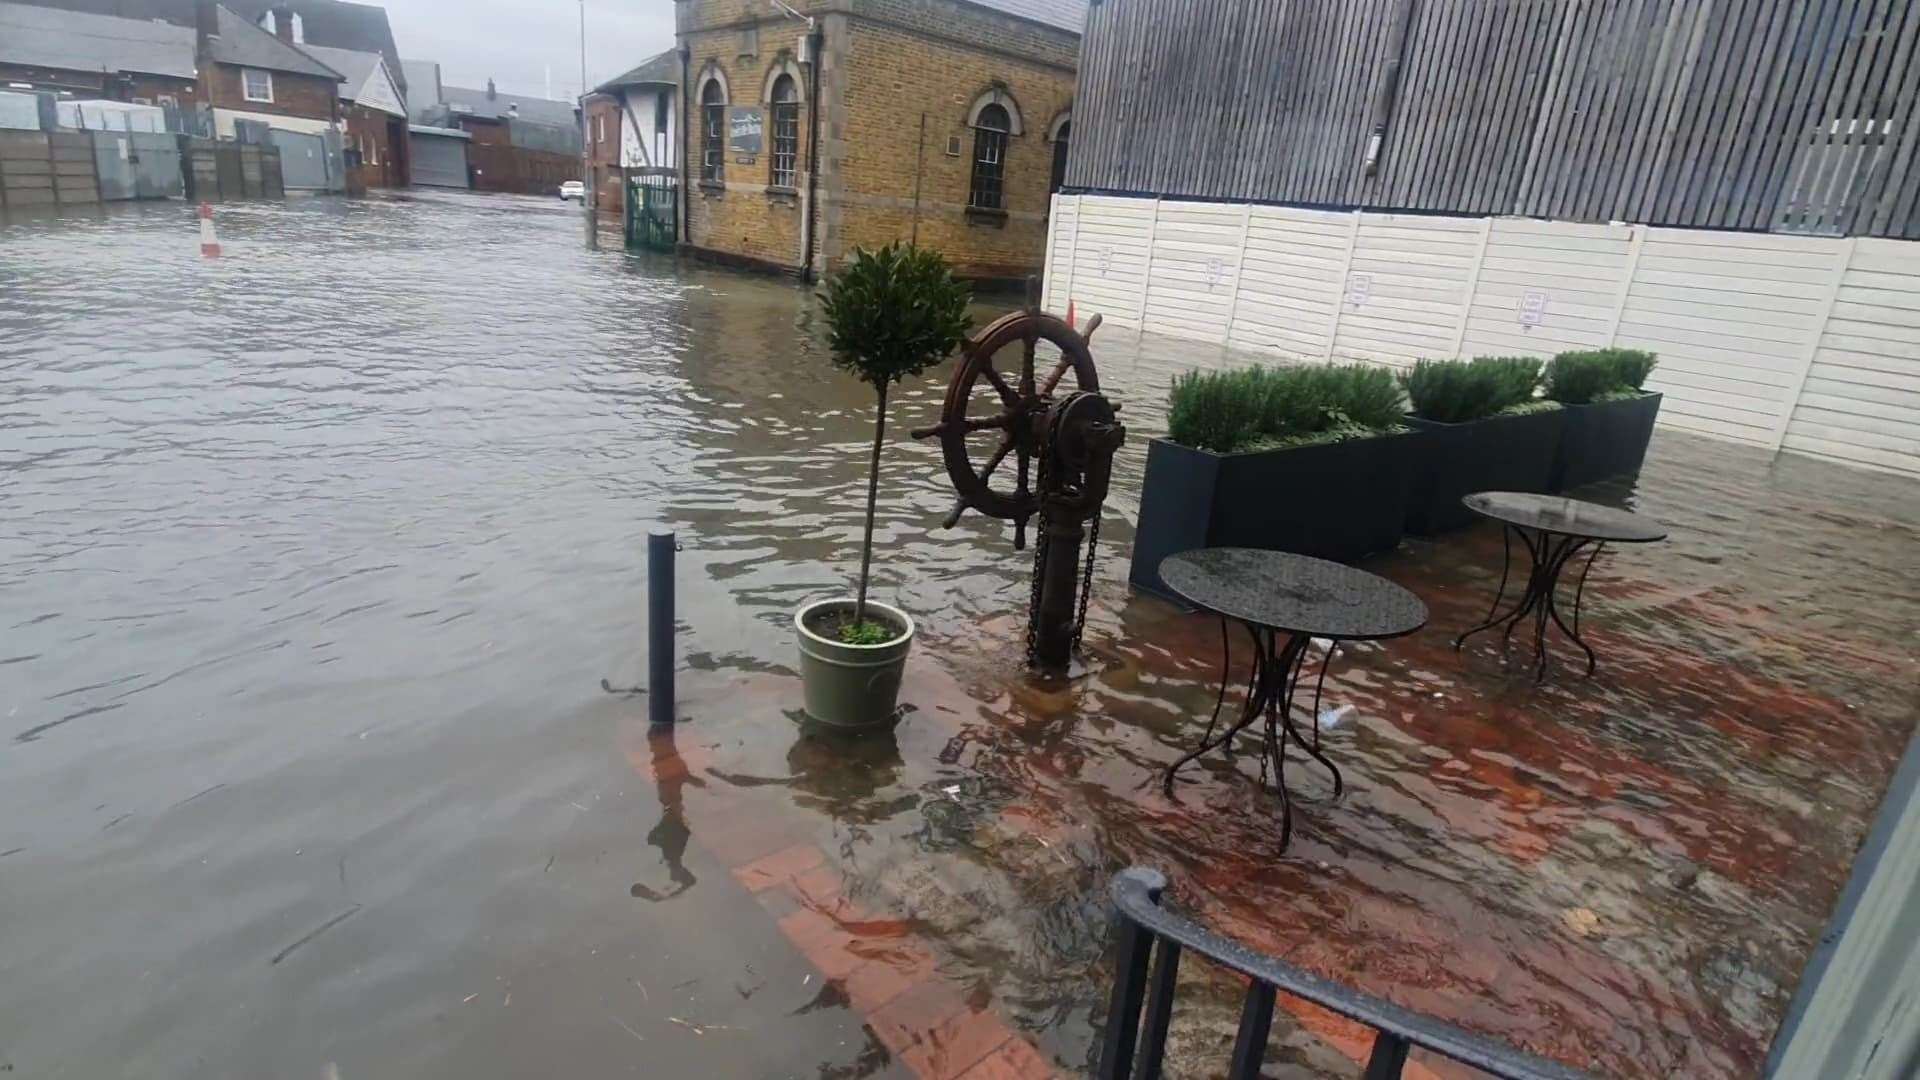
(600, 127)
(246, 84)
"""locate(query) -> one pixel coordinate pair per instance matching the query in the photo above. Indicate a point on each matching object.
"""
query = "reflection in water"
(354, 568)
(670, 834)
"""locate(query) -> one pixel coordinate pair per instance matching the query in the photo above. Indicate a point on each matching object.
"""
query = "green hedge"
(1260, 408)
(1456, 391)
(1581, 378)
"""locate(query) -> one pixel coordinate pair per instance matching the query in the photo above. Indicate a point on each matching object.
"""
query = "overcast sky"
(517, 42)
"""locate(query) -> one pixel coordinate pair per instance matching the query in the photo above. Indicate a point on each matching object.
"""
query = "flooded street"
(314, 557)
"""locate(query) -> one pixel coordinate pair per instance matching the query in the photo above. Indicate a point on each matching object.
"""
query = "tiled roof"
(241, 42)
(462, 101)
(1061, 14)
(664, 68)
(34, 36)
(336, 25)
(351, 63)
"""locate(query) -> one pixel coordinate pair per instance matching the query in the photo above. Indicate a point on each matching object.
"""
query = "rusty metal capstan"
(1062, 434)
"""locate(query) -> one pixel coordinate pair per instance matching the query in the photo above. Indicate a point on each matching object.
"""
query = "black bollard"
(660, 547)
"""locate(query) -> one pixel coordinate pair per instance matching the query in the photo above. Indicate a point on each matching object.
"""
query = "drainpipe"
(686, 177)
(813, 157)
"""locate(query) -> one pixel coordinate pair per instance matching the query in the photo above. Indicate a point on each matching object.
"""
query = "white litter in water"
(1332, 718)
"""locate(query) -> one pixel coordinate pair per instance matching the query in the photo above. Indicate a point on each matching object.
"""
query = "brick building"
(632, 129)
(938, 121)
(375, 115)
(516, 143)
(85, 56)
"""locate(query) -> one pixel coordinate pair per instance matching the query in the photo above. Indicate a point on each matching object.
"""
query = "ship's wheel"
(999, 406)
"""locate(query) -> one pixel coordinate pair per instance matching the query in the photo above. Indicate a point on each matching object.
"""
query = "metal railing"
(1130, 1051)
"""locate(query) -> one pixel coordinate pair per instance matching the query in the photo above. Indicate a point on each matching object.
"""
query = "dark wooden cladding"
(1783, 115)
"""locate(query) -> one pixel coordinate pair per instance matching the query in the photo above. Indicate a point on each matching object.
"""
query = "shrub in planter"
(1306, 459)
(890, 314)
(1609, 416)
(1482, 430)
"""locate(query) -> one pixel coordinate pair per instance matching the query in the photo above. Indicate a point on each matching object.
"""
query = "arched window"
(988, 191)
(786, 131)
(713, 131)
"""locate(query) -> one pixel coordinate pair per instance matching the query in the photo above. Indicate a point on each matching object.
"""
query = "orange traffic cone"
(209, 243)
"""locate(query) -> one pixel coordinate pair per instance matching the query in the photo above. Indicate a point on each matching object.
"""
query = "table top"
(1295, 593)
(1566, 517)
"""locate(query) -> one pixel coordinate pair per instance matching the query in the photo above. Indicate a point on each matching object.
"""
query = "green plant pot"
(852, 687)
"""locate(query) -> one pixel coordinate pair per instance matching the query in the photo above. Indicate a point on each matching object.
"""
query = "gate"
(156, 167)
(653, 212)
(303, 160)
(113, 156)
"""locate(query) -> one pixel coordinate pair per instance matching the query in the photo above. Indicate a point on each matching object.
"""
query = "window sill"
(980, 215)
(780, 194)
(714, 187)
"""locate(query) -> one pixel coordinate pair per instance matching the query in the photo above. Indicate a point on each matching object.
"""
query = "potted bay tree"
(891, 314)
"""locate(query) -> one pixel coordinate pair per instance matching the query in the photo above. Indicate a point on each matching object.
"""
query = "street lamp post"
(590, 190)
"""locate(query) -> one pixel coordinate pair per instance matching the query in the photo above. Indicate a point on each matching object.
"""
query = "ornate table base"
(1277, 662)
(1550, 553)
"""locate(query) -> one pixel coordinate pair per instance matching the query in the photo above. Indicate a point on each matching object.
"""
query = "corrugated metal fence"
(1806, 343)
(1750, 114)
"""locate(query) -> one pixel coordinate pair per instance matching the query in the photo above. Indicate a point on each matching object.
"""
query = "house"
(1317, 186)
(438, 154)
(263, 87)
(332, 24)
(375, 115)
(632, 130)
(516, 143)
(934, 121)
(84, 56)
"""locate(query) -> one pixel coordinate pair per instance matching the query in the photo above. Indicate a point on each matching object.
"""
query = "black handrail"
(1136, 895)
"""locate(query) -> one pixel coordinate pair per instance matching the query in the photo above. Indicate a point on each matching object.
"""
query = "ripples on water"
(314, 556)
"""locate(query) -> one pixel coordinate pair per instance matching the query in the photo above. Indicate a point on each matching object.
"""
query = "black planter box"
(1338, 501)
(1498, 453)
(1608, 439)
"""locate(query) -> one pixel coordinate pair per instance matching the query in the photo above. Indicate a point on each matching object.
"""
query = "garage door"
(303, 160)
(439, 161)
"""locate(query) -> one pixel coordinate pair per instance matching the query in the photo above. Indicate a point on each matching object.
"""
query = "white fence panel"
(1806, 343)
(1546, 287)
(1196, 254)
(1692, 300)
(1110, 261)
(1861, 399)
(1406, 286)
(1290, 278)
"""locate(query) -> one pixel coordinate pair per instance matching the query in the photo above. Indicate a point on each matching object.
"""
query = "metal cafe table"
(1284, 601)
(1553, 529)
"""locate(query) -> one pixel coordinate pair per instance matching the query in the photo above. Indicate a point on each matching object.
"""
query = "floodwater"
(315, 557)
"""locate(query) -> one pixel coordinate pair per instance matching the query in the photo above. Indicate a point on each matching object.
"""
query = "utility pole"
(589, 194)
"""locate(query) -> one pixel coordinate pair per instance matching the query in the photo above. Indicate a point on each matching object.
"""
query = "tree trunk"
(873, 495)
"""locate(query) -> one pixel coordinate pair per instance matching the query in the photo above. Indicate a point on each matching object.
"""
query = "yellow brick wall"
(885, 63)
(744, 219)
(893, 77)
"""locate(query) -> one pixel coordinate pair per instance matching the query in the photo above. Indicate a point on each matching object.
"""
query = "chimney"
(206, 22)
(491, 92)
(282, 22)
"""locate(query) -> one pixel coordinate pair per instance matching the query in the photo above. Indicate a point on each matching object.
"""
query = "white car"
(573, 189)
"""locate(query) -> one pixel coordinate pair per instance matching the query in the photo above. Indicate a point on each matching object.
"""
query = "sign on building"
(746, 128)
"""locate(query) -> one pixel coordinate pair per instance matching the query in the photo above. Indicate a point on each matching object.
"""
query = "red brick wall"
(184, 92)
(312, 96)
(501, 166)
(371, 132)
(603, 147)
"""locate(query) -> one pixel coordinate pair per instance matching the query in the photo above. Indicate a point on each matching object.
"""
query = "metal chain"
(1086, 577)
(1041, 542)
